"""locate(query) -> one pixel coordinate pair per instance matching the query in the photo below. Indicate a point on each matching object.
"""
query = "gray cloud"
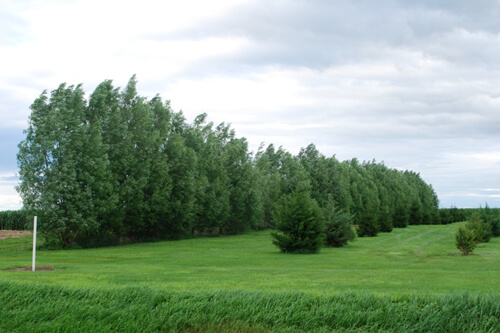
(319, 34)
(413, 83)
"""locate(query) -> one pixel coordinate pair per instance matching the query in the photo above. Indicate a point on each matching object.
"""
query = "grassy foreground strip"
(415, 260)
(37, 308)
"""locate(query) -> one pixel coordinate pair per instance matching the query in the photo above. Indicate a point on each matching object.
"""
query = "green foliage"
(445, 216)
(465, 239)
(120, 167)
(366, 202)
(481, 229)
(338, 226)
(14, 220)
(57, 180)
(491, 217)
(269, 178)
(300, 225)
(495, 226)
(125, 168)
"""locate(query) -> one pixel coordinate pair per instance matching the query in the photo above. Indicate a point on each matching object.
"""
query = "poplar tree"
(60, 175)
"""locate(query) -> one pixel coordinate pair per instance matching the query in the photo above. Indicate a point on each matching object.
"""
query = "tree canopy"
(121, 166)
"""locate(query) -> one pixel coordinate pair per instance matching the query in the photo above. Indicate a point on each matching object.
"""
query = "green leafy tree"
(158, 189)
(58, 181)
(365, 200)
(280, 174)
(401, 200)
(424, 208)
(380, 176)
(104, 109)
(244, 196)
(320, 172)
(268, 181)
(181, 212)
(300, 224)
(136, 160)
(212, 195)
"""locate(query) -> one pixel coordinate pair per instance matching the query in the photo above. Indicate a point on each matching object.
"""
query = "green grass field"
(412, 279)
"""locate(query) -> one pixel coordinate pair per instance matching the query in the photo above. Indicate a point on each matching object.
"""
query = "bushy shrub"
(465, 240)
(300, 224)
(338, 227)
(481, 228)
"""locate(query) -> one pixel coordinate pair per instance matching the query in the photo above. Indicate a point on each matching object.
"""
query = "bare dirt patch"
(41, 268)
(4, 234)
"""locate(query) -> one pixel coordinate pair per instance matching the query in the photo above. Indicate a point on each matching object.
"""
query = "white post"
(34, 245)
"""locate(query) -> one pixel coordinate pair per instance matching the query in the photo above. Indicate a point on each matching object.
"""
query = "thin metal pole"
(34, 245)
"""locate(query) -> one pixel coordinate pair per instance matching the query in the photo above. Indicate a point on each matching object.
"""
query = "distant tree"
(491, 217)
(338, 226)
(280, 174)
(416, 216)
(300, 224)
(481, 228)
(365, 199)
(495, 226)
(268, 180)
(457, 215)
(320, 172)
(424, 203)
(465, 239)
(381, 176)
(213, 184)
(445, 216)
(341, 184)
(244, 196)
(180, 216)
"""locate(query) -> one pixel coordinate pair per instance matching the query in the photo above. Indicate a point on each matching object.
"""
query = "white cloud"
(9, 198)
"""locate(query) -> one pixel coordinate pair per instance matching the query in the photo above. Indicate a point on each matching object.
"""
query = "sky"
(413, 84)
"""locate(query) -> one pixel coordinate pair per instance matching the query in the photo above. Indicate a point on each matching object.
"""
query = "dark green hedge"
(14, 220)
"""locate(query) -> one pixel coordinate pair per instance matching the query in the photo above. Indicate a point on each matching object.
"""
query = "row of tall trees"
(379, 198)
(118, 165)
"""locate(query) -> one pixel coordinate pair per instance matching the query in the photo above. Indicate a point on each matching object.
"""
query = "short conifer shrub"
(299, 224)
(465, 240)
(338, 227)
(482, 229)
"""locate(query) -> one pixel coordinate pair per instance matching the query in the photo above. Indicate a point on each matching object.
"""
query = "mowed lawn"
(414, 260)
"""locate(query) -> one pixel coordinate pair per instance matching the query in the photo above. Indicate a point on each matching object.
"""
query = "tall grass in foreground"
(37, 308)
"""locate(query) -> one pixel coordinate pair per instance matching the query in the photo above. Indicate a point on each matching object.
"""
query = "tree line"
(482, 224)
(119, 166)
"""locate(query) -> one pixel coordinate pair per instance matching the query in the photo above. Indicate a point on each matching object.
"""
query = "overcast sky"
(415, 84)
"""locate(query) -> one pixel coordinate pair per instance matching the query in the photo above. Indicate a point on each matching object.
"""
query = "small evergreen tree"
(465, 240)
(482, 229)
(300, 224)
(338, 226)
